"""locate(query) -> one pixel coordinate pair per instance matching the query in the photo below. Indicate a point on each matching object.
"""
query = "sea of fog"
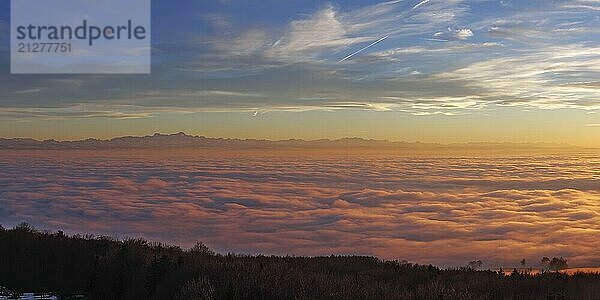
(441, 210)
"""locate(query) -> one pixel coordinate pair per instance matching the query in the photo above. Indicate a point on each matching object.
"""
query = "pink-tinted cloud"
(445, 211)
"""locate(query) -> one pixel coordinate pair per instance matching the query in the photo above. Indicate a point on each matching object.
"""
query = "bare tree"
(201, 249)
(558, 263)
(475, 264)
(545, 264)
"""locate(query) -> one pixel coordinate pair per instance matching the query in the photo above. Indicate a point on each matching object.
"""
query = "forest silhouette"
(99, 267)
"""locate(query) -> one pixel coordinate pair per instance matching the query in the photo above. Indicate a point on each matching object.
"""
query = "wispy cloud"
(543, 79)
(309, 37)
(74, 112)
(593, 5)
(415, 56)
(318, 37)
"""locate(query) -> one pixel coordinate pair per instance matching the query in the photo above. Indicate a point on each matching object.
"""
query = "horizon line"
(372, 140)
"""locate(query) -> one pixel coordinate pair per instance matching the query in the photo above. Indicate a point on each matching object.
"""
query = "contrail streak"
(436, 40)
(420, 3)
(363, 49)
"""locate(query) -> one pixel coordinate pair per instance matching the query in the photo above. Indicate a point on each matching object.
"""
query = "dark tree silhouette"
(102, 268)
(545, 264)
(200, 289)
(558, 263)
(475, 264)
(201, 249)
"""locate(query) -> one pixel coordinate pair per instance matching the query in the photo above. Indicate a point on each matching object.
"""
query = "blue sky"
(452, 61)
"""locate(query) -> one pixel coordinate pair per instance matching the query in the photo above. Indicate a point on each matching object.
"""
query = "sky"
(414, 70)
